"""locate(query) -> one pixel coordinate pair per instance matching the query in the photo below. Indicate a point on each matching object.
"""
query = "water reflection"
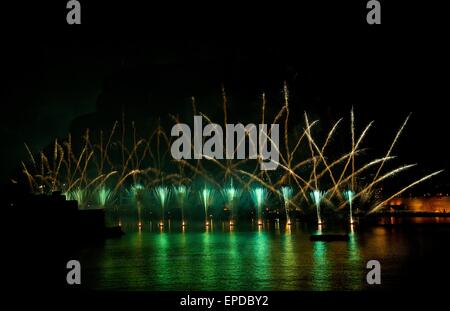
(160, 263)
(320, 274)
(244, 258)
(289, 259)
(207, 260)
(353, 249)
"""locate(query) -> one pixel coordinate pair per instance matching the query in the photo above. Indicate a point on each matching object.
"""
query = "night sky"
(58, 79)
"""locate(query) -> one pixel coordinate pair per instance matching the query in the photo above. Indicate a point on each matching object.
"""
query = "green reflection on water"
(207, 262)
(161, 267)
(320, 272)
(354, 265)
(261, 252)
(288, 259)
(253, 258)
(353, 249)
(234, 261)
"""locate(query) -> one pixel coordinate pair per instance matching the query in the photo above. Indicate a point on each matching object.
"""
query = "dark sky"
(55, 75)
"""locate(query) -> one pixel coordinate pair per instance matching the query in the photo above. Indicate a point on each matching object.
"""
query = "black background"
(55, 74)
(52, 73)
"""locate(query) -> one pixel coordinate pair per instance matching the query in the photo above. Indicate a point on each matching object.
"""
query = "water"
(271, 258)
